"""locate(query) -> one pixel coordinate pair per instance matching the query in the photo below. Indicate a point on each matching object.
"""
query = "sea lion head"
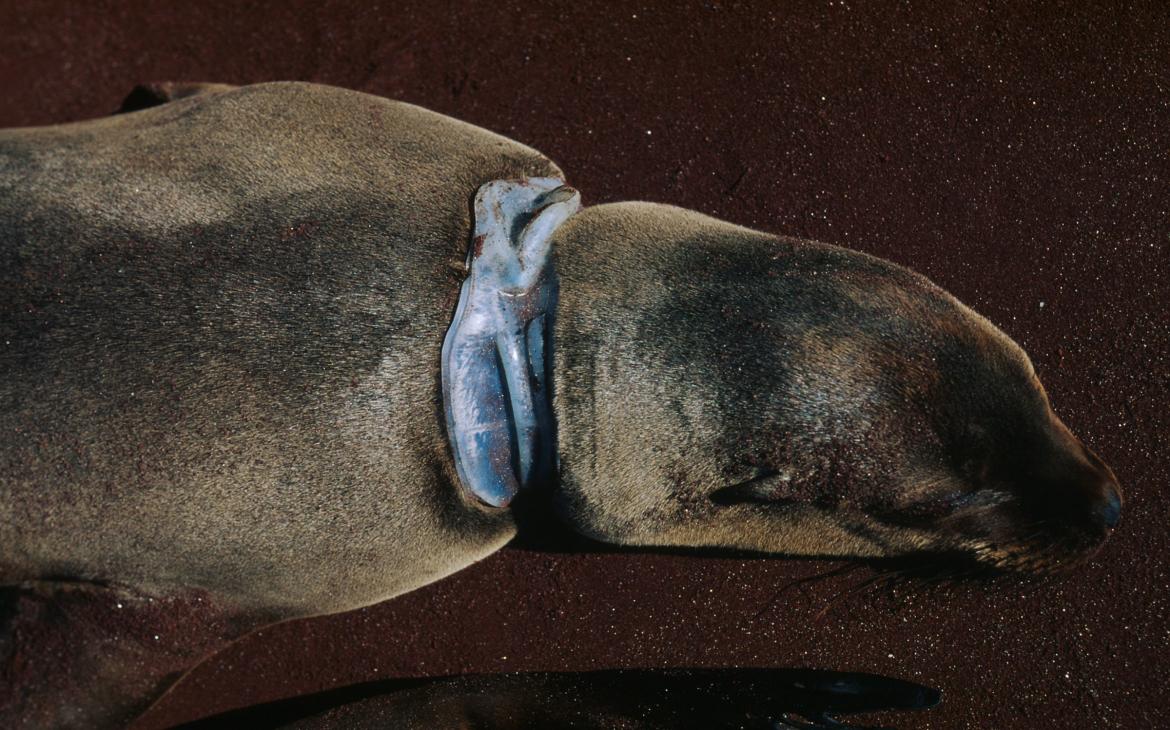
(721, 387)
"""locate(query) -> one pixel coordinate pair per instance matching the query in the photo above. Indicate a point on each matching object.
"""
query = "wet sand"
(1018, 157)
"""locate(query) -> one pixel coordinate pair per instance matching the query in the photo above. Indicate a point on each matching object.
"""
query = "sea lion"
(222, 320)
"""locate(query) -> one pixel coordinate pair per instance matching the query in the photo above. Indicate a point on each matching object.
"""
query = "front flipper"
(641, 699)
(81, 655)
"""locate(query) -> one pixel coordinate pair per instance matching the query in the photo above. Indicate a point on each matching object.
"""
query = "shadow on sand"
(772, 699)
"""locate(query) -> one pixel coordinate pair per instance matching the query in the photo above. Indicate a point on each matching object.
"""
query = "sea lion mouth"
(1009, 537)
(982, 559)
(1037, 549)
(985, 562)
(1033, 558)
(991, 532)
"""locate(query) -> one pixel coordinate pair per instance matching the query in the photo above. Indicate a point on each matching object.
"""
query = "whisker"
(802, 582)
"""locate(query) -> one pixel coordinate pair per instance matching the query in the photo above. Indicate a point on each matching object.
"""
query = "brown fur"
(221, 320)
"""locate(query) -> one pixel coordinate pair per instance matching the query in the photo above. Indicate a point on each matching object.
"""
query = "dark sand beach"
(1019, 157)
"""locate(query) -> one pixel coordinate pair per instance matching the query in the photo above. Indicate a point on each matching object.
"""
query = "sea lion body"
(221, 323)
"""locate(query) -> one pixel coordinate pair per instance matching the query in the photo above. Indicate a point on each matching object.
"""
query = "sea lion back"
(220, 322)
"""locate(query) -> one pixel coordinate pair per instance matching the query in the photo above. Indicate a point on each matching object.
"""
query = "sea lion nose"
(1109, 508)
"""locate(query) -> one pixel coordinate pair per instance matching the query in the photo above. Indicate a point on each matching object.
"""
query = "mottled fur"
(220, 325)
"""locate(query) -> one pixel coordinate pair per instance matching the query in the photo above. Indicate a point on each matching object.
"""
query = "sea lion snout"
(1081, 491)
(1107, 500)
(1098, 498)
(1109, 510)
(1056, 509)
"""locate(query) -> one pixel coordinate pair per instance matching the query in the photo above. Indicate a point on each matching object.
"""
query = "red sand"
(1017, 157)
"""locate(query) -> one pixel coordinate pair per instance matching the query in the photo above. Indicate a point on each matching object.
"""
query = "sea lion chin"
(721, 387)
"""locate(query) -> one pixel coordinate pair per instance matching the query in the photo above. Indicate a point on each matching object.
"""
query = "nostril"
(1110, 507)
